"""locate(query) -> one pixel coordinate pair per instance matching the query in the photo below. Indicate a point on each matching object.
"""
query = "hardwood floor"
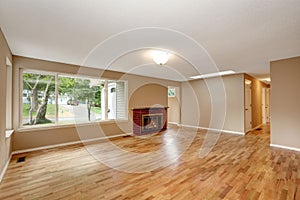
(238, 167)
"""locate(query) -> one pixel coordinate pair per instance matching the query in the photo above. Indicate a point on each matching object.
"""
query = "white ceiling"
(239, 35)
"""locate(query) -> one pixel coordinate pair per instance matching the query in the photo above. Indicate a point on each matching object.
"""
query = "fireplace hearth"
(149, 120)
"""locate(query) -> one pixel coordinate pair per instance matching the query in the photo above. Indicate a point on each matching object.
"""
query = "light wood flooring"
(238, 167)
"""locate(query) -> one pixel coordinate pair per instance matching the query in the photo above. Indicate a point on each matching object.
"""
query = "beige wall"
(142, 91)
(5, 143)
(285, 98)
(143, 96)
(256, 99)
(199, 108)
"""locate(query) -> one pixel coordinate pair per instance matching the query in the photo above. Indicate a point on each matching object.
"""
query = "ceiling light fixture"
(213, 74)
(160, 57)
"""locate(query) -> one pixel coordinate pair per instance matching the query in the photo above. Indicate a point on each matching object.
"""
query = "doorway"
(248, 106)
(265, 105)
(268, 104)
(174, 105)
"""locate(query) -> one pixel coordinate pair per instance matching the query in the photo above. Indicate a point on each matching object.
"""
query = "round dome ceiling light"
(160, 57)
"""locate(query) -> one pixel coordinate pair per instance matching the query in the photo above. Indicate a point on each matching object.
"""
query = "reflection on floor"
(238, 167)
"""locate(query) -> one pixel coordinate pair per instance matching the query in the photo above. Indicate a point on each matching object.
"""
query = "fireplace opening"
(152, 122)
(149, 120)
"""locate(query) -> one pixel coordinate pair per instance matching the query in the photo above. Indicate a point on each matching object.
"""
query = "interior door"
(248, 108)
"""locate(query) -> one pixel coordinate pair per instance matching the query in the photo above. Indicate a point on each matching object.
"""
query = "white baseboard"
(285, 147)
(213, 129)
(67, 144)
(5, 168)
(173, 123)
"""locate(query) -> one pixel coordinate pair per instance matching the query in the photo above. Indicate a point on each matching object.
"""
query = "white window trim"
(56, 99)
(8, 92)
(58, 126)
(22, 128)
(20, 98)
(8, 133)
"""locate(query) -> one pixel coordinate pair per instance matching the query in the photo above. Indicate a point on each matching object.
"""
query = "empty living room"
(151, 99)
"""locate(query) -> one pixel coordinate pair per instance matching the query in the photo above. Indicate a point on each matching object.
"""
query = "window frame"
(21, 127)
(9, 96)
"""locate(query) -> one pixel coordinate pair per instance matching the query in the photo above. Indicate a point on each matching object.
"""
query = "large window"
(51, 98)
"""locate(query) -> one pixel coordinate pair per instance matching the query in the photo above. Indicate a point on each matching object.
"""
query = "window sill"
(55, 126)
(8, 133)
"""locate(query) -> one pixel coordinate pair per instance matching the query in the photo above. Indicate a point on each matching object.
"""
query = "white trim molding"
(213, 129)
(5, 167)
(174, 123)
(285, 147)
(68, 143)
(8, 62)
(8, 133)
(54, 126)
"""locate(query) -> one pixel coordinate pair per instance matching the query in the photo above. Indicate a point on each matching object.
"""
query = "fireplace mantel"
(147, 120)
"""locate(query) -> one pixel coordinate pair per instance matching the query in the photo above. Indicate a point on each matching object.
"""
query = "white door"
(248, 109)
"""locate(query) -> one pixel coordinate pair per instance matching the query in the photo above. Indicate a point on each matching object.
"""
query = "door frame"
(268, 95)
(247, 82)
(177, 103)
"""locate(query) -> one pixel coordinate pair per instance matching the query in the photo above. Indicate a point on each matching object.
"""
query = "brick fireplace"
(149, 120)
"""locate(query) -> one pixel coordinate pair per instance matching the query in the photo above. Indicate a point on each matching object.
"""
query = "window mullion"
(56, 98)
(106, 99)
(21, 97)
